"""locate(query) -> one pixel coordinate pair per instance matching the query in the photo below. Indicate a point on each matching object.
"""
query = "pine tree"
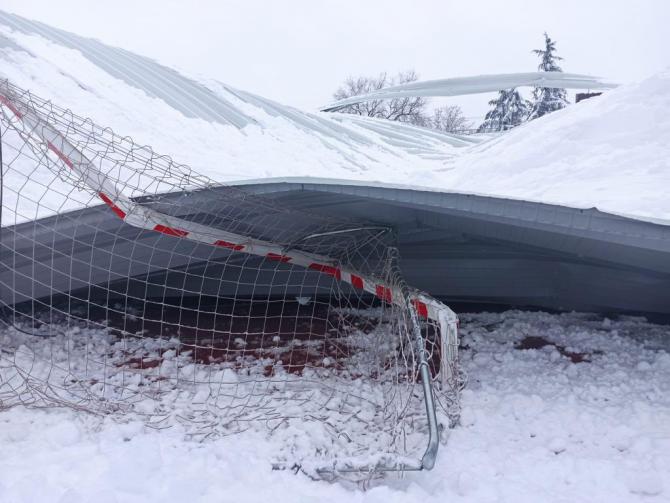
(548, 99)
(509, 109)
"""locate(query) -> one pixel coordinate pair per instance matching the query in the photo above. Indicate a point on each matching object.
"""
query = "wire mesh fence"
(135, 287)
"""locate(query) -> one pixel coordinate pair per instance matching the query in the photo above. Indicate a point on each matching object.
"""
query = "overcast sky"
(297, 52)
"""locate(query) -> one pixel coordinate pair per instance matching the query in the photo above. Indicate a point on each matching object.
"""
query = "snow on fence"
(133, 286)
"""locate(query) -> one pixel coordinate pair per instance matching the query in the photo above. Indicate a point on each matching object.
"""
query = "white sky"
(297, 52)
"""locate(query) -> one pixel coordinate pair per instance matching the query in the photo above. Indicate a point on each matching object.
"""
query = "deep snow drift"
(536, 426)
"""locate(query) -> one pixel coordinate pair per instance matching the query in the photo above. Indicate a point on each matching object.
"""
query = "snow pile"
(581, 414)
(611, 152)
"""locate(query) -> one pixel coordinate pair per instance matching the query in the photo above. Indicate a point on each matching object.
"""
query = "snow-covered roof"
(610, 152)
(219, 130)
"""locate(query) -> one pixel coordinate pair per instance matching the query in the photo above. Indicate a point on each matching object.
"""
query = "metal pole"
(429, 456)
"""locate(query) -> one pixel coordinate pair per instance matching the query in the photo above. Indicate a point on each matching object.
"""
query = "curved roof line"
(477, 84)
(337, 182)
(353, 138)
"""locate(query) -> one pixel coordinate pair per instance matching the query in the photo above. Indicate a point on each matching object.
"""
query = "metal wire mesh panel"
(133, 286)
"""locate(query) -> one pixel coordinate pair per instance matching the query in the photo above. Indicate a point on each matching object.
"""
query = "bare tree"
(411, 110)
(450, 119)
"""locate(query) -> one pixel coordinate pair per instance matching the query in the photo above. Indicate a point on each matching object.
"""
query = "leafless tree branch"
(407, 109)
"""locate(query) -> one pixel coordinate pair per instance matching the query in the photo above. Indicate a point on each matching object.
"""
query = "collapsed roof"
(567, 212)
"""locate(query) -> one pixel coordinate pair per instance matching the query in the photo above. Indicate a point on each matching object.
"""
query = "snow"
(277, 137)
(582, 415)
(611, 152)
(350, 409)
(534, 427)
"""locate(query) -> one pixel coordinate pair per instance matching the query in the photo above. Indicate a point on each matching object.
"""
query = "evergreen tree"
(548, 99)
(509, 109)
